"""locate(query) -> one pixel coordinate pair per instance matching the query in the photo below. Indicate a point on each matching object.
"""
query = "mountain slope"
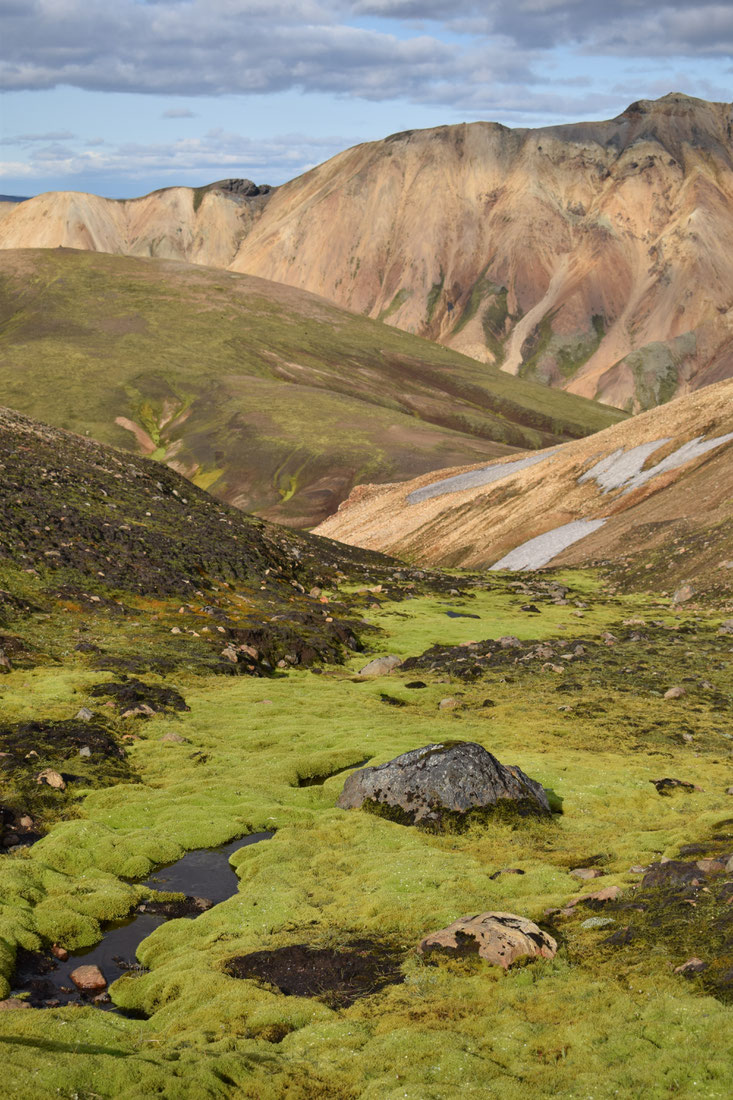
(660, 484)
(595, 257)
(275, 400)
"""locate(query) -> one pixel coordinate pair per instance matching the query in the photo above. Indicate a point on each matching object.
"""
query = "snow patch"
(542, 549)
(624, 469)
(475, 478)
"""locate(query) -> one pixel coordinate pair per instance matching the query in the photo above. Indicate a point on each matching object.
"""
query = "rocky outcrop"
(441, 784)
(500, 938)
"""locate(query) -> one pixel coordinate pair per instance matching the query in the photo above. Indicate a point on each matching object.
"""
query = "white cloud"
(178, 112)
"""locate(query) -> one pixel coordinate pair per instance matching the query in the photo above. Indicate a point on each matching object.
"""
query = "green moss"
(573, 1026)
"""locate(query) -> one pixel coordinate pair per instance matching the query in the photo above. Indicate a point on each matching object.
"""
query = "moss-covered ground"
(589, 721)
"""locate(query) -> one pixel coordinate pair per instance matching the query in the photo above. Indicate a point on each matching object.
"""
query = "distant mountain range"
(596, 257)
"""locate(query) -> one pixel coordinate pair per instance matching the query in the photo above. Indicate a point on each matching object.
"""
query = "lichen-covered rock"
(428, 785)
(500, 938)
(380, 666)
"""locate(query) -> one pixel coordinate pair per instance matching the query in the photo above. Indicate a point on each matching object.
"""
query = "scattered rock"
(691, 967)
(683, 594)
(59, 952)
(89, 979)
(52, 778)
(448, 704)
(84, 715)
(507, 871)
(13, 1002)
(675, 692)
(174, 739)
(597, 922)
(500, 938)
(380, 666)
(230, 654)
(667, 785)
(586, 872)
(427, 785)
(85, 751)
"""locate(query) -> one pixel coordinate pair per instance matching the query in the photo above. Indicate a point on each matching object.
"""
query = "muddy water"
(205, 873)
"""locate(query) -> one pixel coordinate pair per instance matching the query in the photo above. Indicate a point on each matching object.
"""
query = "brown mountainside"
(597, 257)
(655, 489)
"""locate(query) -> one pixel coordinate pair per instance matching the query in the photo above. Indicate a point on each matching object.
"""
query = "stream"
(203, 873)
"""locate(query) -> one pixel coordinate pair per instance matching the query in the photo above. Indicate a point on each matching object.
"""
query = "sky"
(120, 97)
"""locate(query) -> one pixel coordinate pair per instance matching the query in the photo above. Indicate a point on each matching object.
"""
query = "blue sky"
(122, 96)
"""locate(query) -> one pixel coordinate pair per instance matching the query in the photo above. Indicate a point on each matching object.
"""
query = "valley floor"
(590, 722)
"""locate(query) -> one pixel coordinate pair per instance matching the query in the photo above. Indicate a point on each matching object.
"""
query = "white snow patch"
(475, 478)
(624, 469)
(542, 549)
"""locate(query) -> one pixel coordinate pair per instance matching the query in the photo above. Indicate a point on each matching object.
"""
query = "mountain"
(595, 257)
(652, 493)
(276, 400)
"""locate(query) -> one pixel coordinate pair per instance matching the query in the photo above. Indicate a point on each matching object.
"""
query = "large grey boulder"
(428, 786)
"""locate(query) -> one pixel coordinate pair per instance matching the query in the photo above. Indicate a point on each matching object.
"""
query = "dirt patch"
(132, 694)
(338, 977)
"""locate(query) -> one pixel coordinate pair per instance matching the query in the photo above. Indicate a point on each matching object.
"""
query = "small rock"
(25, 822)
(597, 922)
(675, 692)
(729, 790)
(174, 739)
(508, 641)
(508, 871)
(52, 778)
(683, 594)
(380, 666)
(229, 653)
(102, 999)
(84, 715)
(637, 869)
(530, 607)
(85, 751)
(89, 979)
(12, 1002)
(500, 938)
(59, 952)
(667, 785)
(692, 966)
(448, 703)
(726, 627)
(586, 872)
(175, 630)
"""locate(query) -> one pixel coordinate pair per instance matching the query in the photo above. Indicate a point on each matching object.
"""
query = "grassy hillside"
(275, 400)
(577, 700)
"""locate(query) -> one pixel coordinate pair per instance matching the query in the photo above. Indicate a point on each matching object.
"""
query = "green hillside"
(275, 400)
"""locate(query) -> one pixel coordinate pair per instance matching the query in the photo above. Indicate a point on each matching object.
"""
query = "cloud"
(26, 139)
(178, 112)
(216, 154)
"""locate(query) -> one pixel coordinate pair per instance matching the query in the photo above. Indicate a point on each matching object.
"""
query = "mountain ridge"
(593, 256)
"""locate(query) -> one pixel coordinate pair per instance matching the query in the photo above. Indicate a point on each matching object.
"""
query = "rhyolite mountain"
(596, 257)
(274, 399)
(651, 495)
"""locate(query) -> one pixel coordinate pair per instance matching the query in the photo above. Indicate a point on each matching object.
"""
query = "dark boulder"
(442, 784)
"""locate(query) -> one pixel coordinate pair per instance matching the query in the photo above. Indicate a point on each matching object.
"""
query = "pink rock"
(500, 938)
(89, 979)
